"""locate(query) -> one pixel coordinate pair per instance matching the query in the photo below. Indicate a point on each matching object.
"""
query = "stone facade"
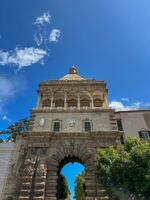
(71, 121)
(6, 150)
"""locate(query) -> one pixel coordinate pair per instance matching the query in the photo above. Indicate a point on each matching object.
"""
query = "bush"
(127, 167)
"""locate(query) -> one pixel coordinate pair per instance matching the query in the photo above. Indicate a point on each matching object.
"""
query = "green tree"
(127, 167)
(1, 141)
(16, 129)
(63, 188)
(80, 186)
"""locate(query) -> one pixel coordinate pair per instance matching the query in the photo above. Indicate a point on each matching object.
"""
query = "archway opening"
(69, 171)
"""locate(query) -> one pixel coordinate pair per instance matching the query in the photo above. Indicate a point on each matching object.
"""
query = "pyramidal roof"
(72, 75)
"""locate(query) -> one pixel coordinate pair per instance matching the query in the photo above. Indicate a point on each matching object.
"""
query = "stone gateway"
(71, 121)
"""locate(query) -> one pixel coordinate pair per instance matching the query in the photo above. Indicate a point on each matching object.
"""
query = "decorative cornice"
(72, 82)
(39, 110)
(89, 135)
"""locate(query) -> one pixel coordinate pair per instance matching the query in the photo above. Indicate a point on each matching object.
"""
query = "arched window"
(72, 103)
(46, 103)
(85, 102)
(98, 102)
(59, 103)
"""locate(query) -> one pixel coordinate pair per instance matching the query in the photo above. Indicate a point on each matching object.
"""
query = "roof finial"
(72, 70)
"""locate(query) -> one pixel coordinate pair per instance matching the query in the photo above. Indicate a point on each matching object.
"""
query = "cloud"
(147, 104)
(125, 99)
(44, 18)
(22, 57)
(38, 38)
(119, 106)
(54, 35)
(9, 89)
(42, 35)
(5, 118)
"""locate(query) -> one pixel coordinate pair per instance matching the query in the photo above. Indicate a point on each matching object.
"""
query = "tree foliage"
(63, 188)
(127, 167)
(16, 129)
(80, 186)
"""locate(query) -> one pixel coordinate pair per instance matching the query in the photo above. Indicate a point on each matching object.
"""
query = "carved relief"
(42, 170)
(29, 166)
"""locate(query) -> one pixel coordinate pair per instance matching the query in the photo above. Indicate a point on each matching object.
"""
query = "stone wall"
(6, 150)
(38, 157)
(101, 120)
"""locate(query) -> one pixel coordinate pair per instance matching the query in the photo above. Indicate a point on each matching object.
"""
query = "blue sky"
(107, 40)
(70, 171)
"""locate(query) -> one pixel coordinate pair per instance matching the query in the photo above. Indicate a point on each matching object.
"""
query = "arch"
(58, 99)
(62, 164)
(46, 102)
(98, 99)
(71, 153)
(85, 101)
(59, 102)
(98, 102)
(72, 102)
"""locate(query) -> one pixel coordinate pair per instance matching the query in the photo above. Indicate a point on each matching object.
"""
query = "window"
(72, 103)
(119, 123)
(98, 103)
(144, 134)
(46, 103)
(59, 103)
(56, 127)
(87, 126)
(85, 103)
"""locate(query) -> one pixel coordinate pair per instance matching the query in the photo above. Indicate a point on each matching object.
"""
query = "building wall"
(73, 122)
(6, 150)
(134, 121)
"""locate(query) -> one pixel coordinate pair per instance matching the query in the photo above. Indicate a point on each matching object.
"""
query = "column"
(78, 102)
(39, 103)
(65, 101)
(106, 101)
(92, 106)
(52, 97)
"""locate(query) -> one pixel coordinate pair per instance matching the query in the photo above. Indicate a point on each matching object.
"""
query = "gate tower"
(71, 121)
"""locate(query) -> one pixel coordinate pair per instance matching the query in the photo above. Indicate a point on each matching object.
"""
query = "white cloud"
(119, 106)
(38, 38)
(137, 104)
(147, 104)
(44, 18)
(54, 35)
(5, 118)
(125, 99)
(22, 57)
(9, 89)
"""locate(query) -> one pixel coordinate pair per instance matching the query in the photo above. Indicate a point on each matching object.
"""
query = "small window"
(56, 127)
(87, 126)
(144, 134)
(119, 123)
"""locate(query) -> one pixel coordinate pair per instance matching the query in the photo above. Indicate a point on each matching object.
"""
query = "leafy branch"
(16, 129)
